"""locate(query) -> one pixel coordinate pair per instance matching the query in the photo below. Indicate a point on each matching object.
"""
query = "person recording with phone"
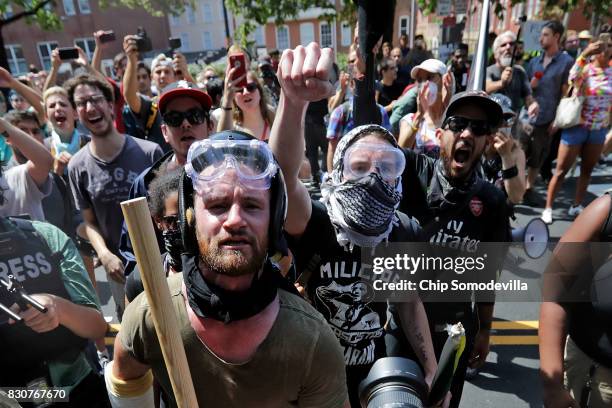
(141, 113)
(244, 105)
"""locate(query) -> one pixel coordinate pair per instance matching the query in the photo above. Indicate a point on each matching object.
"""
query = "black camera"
(143, 42)
(393, 381)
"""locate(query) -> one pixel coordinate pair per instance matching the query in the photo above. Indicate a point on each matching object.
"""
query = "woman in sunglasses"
(245, 108)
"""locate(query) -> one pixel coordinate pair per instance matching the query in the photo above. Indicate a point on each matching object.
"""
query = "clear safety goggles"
(361, 159)
(208, 161)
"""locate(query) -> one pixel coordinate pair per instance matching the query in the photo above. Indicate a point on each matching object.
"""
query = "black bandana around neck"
(443, 194)
(210, 301)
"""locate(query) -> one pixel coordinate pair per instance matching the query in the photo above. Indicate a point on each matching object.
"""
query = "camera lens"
(393, 382)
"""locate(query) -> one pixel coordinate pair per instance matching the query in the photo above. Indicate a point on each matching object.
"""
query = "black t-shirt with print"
(482, 216)
(330, 274)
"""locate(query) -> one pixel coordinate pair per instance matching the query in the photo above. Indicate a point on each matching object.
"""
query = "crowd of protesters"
(71, 152)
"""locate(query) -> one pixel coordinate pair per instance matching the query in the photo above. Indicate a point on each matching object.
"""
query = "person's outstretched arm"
(303, 74)
(33, 97)
(40, 160)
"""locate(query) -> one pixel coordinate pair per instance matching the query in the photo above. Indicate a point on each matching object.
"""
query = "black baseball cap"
(479, 98)
(183, 88)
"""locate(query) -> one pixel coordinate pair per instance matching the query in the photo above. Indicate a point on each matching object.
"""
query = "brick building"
(28, 44)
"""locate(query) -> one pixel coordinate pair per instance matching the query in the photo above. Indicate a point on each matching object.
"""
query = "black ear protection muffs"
(278, 205)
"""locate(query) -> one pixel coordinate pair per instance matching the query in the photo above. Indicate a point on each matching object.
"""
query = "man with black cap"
(249, 343)
(184, 109)
(454, 204)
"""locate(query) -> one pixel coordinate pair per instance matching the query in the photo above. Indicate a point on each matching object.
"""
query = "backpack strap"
(151, 118)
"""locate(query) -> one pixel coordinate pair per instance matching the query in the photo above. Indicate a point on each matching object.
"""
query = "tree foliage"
(40, 12)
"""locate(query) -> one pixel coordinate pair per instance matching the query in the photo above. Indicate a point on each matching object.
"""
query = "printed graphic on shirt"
(454, 236)
(351, 318)
(29, 266)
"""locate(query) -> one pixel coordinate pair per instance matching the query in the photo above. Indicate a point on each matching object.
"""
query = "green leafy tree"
(40, 12)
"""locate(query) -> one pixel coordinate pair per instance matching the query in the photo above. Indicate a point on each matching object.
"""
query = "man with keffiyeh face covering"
(358, 210)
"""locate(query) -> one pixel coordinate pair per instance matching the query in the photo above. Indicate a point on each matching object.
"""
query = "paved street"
(510, 377)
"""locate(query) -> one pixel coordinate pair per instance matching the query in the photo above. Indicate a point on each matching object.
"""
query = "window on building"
(190, 15)
(530, 4)
(44, 52)
(404, 25)
(17, 62)
(347, 36)
(326, 35)
(185, 42)
(69, 7)
(257, 36)
(282, 38)
(84, 6)
(306, 33)
(538, 7)
(87, 44)
(207, 12)
(207, 41)
(175, 20)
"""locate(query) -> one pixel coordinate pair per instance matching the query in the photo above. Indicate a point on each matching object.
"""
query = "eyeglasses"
(458, 124)
(251, 86)
(96, 100)
(194, 116)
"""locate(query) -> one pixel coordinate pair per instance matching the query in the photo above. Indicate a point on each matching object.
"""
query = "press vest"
(24, 352)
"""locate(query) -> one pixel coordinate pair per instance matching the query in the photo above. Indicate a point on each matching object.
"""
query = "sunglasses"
(458, 124)
(194, 116)
(251, 86)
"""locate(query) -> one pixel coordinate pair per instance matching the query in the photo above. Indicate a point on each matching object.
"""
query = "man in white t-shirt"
(22, 187)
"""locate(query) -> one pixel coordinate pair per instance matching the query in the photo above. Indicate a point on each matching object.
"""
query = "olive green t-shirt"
(299, 363)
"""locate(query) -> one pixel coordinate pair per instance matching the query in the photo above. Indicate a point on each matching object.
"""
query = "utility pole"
(228, 37)
(413, 19)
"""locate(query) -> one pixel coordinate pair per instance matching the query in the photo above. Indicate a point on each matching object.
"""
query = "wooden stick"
(142, 235)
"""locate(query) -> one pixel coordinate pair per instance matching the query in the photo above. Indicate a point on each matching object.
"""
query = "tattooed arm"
(416, 329)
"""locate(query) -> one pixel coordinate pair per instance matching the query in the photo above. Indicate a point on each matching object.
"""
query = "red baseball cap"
(183, 88)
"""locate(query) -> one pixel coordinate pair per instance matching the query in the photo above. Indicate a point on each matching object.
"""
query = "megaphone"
(534, 237)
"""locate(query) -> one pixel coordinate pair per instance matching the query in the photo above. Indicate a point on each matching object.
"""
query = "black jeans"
(315, 140)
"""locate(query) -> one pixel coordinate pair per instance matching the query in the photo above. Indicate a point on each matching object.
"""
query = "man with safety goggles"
(236, 316)
(358, 210)
(455, 204)
(184, 109)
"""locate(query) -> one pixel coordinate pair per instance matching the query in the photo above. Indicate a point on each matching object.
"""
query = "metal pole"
(228, 37)
(476, 81)
(413, 19)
